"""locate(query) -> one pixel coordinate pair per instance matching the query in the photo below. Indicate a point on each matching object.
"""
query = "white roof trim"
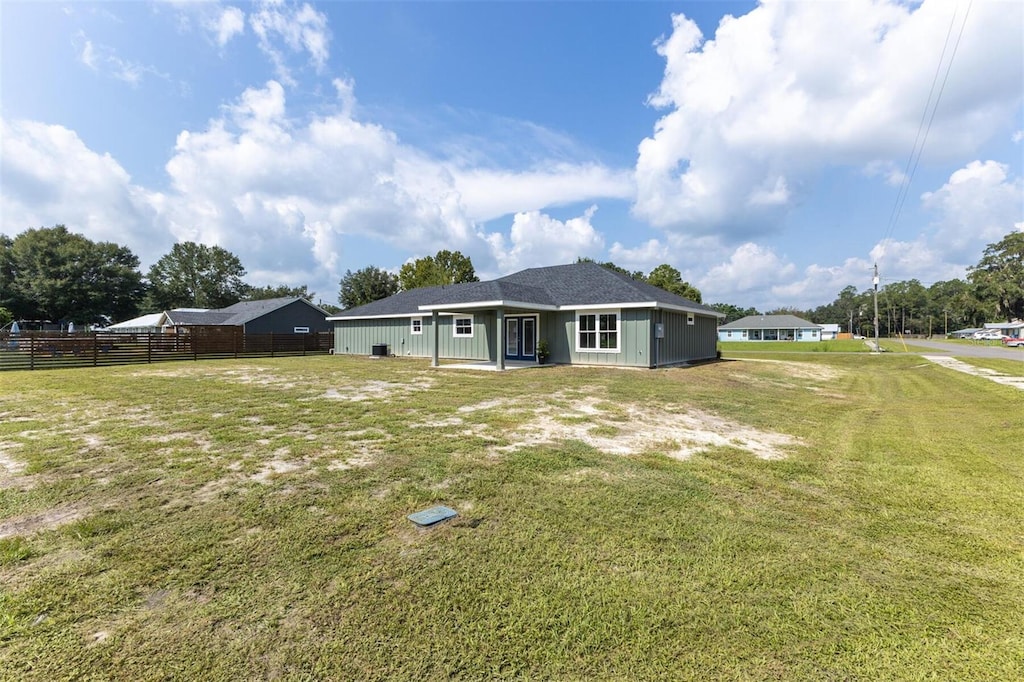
(489, 304)
(648, 304)
(340, 318)
(454, 308)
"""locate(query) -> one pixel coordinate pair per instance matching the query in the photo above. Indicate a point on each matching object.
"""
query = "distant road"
(966, 350)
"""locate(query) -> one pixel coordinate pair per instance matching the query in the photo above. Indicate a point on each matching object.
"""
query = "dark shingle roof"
(197, 317)
(238, 314)
(247, 311)
(559, 285)
(770, 322)
(402, 303)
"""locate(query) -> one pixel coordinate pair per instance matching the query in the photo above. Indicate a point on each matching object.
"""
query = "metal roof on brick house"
(558, 287)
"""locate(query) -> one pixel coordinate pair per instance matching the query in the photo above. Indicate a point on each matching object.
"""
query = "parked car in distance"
(1011, 342)
(988, 336)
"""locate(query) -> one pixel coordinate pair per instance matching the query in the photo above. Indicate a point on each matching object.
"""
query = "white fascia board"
(647, 304)
(342, 318)
(485, 305)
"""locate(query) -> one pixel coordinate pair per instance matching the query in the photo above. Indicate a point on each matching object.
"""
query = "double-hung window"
(597, 331)
(417, 325)
(463, 326)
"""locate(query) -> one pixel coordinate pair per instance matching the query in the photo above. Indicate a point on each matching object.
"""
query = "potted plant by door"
(543, 352)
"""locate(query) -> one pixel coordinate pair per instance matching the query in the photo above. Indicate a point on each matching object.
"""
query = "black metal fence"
(52, 350)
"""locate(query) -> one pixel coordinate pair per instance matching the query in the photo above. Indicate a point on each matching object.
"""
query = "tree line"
(370, 284)
(52, 274)
(993, 290)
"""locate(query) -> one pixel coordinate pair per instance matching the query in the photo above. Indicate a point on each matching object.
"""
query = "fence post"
(272, 344)
(31, 353)
(95, 350)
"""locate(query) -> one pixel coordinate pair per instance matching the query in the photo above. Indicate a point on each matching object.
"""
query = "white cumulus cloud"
(225, 24)
(979, 204)
(50, 177)
(301, 29)
(792, 88)
(536, 239)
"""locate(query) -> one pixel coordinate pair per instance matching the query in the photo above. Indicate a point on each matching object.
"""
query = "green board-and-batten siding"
(685, 342)
(358, 337)
(638, 346)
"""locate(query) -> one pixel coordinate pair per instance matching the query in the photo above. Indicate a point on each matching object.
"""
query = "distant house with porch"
(770, 328)
(584, 313)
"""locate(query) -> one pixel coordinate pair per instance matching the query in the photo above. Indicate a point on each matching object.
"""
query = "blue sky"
(760, 148)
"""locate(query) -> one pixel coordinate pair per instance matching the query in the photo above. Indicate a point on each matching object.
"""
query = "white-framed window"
(597, 331)
(462, 326)
(301, 330)
(416, 325)
(689, 318)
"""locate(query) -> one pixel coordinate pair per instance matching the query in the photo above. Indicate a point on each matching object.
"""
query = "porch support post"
(436, 332)
(500, 338)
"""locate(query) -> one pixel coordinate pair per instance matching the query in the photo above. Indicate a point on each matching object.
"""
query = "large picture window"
(597, 332)
(463, 326)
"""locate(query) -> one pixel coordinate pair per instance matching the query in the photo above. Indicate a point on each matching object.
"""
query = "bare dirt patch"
(30, 524)
(802, 370)
(678, 432)
(375, 390)
(984, 372)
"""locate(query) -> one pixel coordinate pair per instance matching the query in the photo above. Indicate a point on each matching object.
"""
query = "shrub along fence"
(52, 350)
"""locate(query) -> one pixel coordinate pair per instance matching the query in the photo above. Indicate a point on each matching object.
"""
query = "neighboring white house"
(770, 328)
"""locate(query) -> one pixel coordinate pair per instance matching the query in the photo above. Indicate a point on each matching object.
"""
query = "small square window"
(417, 325)
(463, 326)
(689, 318)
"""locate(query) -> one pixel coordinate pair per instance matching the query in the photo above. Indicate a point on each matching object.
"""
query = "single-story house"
(287, 315)
(1013, 329)
(770, 328)
(584, 314)
(965, 333)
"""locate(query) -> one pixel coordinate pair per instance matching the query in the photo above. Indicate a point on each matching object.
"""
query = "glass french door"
(521, 338)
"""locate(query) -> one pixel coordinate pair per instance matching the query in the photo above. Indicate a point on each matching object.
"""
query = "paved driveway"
(970, 350)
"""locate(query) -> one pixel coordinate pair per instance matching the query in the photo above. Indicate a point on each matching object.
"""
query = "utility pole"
(875, 280)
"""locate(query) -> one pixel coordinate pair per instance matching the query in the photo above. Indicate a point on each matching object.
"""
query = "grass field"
(818, 517)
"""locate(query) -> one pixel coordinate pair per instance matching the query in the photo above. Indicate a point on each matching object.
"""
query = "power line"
(916, 151)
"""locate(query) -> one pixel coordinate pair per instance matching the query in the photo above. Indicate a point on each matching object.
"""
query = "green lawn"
(832, 346)
(816, 517)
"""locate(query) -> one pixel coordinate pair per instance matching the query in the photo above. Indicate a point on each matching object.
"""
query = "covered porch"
(515, 328)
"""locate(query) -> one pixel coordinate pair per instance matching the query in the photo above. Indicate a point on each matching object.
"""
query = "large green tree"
(668, 278)
(366, 285)
(445, 267)
(196, 276)
(280, 291)
(733, 312)
(51, 273)
(638, 275)
(999, 275)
